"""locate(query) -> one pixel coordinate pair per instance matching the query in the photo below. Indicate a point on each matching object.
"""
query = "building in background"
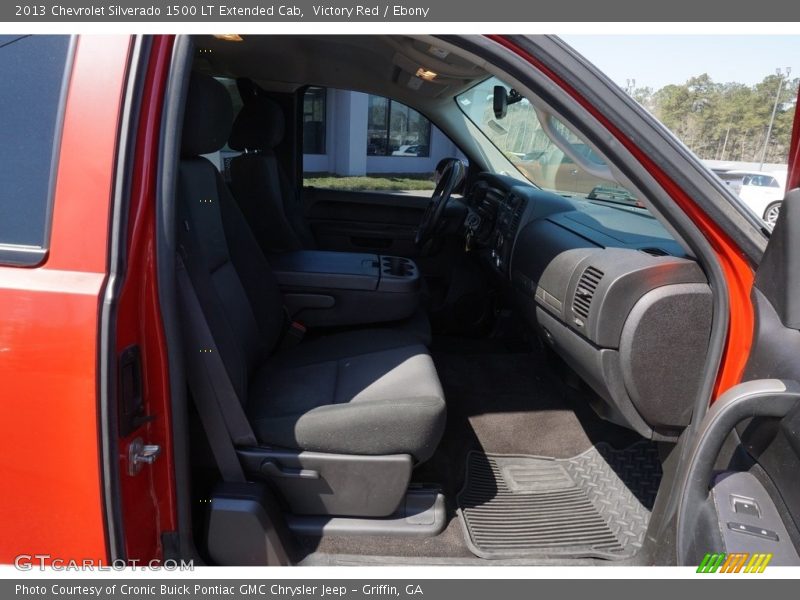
(348, 133)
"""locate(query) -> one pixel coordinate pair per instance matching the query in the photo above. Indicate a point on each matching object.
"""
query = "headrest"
(207, 118)
(260, 125)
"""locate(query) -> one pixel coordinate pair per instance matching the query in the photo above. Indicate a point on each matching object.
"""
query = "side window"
(362, 142)
(32, 72)
(764, 181)
(394, 129)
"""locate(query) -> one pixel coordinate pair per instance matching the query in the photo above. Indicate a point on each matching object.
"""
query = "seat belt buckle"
(294, 334)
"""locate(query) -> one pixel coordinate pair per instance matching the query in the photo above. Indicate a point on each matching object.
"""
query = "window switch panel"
(745, 506)
(767, 534)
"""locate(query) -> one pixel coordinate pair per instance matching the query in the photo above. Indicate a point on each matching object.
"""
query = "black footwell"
(596, 504)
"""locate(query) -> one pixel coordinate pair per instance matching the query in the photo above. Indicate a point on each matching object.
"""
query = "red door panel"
(52, 499)
(793, 180)
(148, 497)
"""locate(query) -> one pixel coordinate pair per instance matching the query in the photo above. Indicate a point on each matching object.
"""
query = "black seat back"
(233, 281)
(259, 183)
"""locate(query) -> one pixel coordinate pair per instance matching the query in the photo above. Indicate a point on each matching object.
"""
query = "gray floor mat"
(596, 504)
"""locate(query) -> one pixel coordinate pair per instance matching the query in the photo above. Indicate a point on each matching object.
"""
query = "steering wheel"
(452, 175)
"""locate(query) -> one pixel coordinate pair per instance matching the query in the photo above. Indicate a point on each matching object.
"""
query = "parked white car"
(411, 150)
(760, 190)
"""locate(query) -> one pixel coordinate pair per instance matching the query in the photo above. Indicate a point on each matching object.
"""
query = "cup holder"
(397, 266)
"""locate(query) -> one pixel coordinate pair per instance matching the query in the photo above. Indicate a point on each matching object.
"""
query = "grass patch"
(374, 182)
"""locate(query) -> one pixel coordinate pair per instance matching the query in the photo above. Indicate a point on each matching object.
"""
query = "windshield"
(520, 136)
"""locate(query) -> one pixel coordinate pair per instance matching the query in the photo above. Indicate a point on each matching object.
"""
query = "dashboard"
(607, 288)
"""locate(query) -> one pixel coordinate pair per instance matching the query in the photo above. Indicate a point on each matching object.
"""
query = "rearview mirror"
(502, 99)
(500, 102)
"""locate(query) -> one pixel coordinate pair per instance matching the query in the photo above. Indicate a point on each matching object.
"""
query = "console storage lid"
(337, 270)
(326, 289)
(345, 271)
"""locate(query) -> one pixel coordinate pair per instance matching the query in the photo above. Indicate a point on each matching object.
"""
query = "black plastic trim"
(749, 520)
(117, 263)
(778, 275)
(246, 527)
(762, 397)
(166, 246)
(320, 483)
(422, 514)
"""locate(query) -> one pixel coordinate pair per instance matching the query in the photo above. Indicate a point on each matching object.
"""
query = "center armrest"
(325, 289)
(334, 270)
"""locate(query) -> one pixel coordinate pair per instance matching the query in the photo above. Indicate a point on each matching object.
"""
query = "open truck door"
(741, 495)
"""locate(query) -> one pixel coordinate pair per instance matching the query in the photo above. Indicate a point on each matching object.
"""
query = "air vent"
(515, 218)
(655, 251)
(587, 286)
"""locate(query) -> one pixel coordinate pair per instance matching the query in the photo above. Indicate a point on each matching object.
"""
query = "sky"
(658, 60)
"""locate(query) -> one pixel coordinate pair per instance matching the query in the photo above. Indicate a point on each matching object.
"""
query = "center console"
(327, 289)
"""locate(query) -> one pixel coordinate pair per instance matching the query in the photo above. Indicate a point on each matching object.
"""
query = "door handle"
(759, 398)
(272, 469)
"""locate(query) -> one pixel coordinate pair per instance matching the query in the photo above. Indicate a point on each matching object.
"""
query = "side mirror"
(500, 102)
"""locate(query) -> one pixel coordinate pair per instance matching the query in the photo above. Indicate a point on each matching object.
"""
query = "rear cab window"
(34, 73)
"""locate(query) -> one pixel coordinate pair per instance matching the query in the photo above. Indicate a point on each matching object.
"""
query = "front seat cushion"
(363, 392)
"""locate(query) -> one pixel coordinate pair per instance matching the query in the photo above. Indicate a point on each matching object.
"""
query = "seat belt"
(217, 402)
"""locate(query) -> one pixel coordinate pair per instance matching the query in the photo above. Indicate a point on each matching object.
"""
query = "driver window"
(363, 142)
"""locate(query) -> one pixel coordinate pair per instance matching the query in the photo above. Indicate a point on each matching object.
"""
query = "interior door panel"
(751, 503)
(759, 468)
(733, 504)
(349, 221)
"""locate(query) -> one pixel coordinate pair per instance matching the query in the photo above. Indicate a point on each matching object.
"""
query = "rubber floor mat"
(596, 504)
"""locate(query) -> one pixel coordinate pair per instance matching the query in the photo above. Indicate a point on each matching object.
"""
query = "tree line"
(726, 121)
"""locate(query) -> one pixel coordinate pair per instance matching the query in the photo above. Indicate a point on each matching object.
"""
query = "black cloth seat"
(364, 392)
(259, 183)
(262, 191)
